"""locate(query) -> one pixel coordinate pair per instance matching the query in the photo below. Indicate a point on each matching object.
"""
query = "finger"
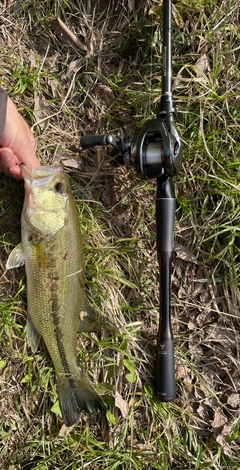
(18, 137)
(24, 148)
(7, 160)
(16, 172)
(27, 155)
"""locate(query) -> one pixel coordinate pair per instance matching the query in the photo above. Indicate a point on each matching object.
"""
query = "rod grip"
(165, 385)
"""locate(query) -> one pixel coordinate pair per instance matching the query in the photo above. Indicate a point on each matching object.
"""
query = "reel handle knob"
(88, 141)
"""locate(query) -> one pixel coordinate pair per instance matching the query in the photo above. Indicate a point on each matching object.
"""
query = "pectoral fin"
(16, 258)
(33, 337)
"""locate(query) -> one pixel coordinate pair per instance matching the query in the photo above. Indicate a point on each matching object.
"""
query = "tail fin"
(76, 396)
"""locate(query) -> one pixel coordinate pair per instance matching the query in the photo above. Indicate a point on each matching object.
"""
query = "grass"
(117, 84)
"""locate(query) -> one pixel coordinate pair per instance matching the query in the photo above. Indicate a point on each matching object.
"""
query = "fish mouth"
(38, 173)
(26, 172)
(38, 184)
(38, 176)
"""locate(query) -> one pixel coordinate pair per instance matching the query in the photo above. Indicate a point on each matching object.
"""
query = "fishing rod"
(155, 152)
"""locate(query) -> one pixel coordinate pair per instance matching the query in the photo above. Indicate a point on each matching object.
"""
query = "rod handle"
(165, 386)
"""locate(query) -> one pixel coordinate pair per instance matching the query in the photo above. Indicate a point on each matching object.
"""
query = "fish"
(52, 250)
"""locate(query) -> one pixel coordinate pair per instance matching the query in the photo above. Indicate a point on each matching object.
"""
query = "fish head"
(47, 193)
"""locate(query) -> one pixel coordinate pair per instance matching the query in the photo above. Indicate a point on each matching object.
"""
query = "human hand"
(17, 144)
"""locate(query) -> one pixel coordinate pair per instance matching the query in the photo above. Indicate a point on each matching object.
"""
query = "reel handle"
(88, 141)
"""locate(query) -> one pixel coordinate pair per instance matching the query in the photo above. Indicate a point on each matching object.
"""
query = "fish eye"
(58, 187)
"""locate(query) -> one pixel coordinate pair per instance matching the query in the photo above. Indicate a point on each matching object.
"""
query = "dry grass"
(116, 83)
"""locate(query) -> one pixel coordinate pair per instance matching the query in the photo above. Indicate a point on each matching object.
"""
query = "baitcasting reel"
(153, 151)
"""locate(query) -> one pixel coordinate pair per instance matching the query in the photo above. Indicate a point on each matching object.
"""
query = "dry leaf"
(177, 17)
(74, 66)
(233, 400)
(181, 293)
(51, 62)
(41, 110)
(121, 404)
(222, 442)
(226, 432)
(203, 411)
(56, 89)
(72, 162)
(182, 371)
(183, 253)
(64, 431)
(219, 419)
(106, 92)
(69, 161)
(202, 66)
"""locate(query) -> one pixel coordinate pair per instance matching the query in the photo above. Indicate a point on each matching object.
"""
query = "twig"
(62, 29)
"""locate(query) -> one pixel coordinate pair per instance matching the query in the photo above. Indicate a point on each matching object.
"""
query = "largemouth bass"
(52, 251)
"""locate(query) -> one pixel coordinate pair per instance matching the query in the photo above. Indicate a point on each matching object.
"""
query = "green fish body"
(52, 250)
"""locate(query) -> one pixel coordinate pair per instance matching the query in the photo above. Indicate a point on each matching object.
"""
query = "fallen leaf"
(121, 404)
(181, 293)
(51, 62)
(219, 420)
(106, 92)
(72, 162)
(203, 411)
(182, 371)
(226, 432)
(42, 110)
(222, 442)
(56, 89)
(202, 66)
(74, 66)
(183, 253)
(233, 400)
(64, 431)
